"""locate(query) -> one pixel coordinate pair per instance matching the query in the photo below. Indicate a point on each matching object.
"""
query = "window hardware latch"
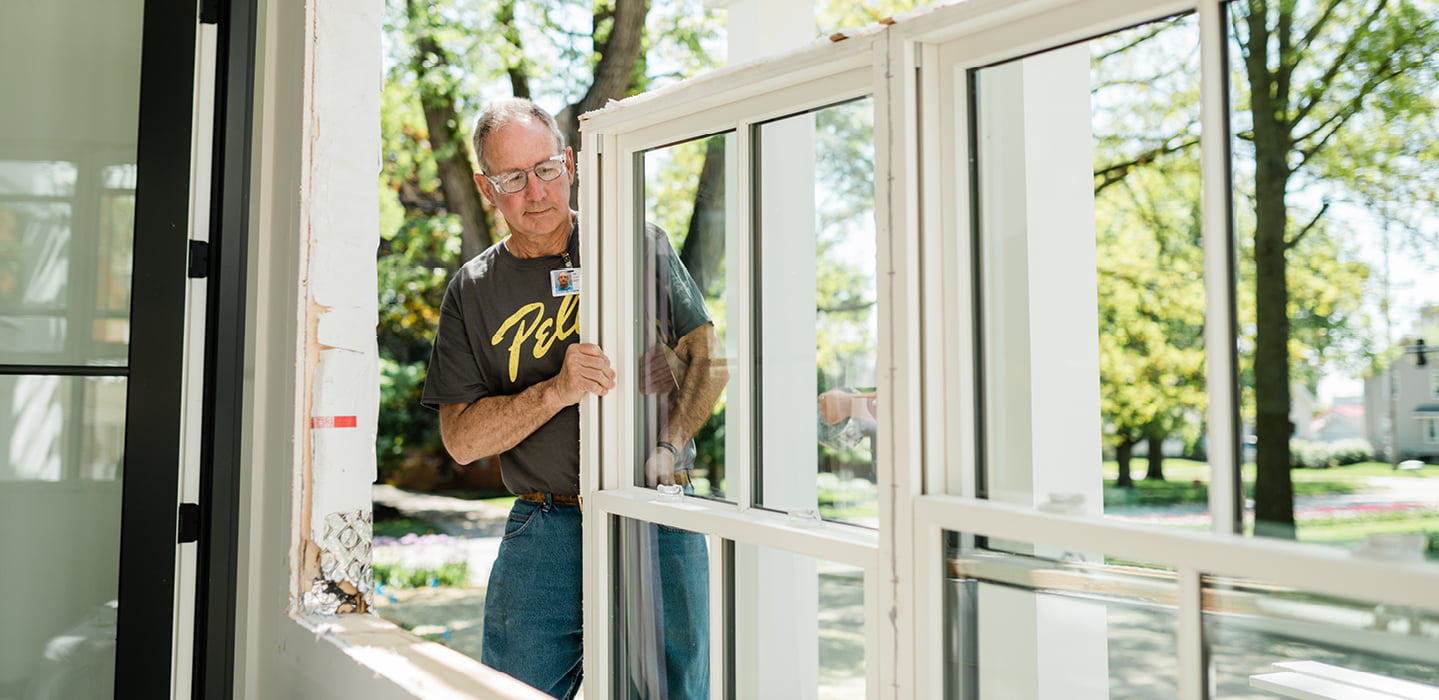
(199, 259)
(189, 524)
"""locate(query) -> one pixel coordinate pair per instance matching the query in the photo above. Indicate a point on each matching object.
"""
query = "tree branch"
(1114, 173)
(1308, 227)
(1314, 96)
(842, 308)
(518, 68)
(1336, 121)
(1313, 33)
(1155, 29)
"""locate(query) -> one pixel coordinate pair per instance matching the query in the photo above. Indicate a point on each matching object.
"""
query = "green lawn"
(1187, 481)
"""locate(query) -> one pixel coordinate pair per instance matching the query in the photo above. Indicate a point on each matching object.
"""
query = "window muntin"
(817, 288)
(683, 274)
(1092, 298)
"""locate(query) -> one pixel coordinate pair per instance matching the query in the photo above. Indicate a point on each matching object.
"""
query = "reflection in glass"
(1029, 628)
(56, 428)
(1338, 270)
(661, 612)
(817, 247)
(64, 264)
(684, 291)
(61, 442)
(1092, 295)
(1249, 627)
(798, 626)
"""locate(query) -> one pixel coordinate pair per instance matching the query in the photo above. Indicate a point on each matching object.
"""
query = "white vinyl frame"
(916, 71)
(959, 38)
(729, 102)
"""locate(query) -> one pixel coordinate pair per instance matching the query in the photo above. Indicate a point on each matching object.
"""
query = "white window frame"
(926, 363)
(730, 101)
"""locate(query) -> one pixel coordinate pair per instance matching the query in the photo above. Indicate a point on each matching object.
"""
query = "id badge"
(565, 281)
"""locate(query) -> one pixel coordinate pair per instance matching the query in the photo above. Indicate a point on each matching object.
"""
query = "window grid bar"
(1189, 635)
(843, 544)
(1312, 568)
(1221, 361)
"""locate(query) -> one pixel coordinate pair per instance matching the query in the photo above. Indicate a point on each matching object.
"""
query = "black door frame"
(220, 469)
(153, 419)
(148, 546)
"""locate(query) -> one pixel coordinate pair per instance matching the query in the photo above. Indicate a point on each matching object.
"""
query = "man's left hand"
(660, 467)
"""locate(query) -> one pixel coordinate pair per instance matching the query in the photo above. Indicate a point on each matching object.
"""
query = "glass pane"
(661, 612)
(65, 264)
(817, 261)
(70, 74)
(1031, 628)
(1092, 294)
(798, 626)
(1336, 225)
(685, 287)
(1249, 627)
(60, 453)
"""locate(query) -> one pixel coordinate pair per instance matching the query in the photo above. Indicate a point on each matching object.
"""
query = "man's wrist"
(666, 446)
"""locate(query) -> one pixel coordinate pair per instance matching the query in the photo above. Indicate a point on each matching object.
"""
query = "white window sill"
(406, 665)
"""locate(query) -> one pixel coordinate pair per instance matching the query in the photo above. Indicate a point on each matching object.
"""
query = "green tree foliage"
(1151, 291)
(1147, 225)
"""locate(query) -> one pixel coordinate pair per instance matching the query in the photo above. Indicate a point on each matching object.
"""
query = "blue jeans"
(532, 607)
(684, 578)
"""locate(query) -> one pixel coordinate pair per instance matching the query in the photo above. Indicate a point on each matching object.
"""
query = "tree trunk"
(518, 69)
(451, 151)
(1156, 459)
(1273, 490)
(704, 243)
(1122, 455)
(614, 74)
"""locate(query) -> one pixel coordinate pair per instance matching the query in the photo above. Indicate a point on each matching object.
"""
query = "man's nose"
(534, 187)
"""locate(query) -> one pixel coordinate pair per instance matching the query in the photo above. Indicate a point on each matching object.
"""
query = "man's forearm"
(493, 424)
(704, 381)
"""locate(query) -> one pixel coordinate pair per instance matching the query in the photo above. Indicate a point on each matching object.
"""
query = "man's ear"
(571, 164)
(486, 188)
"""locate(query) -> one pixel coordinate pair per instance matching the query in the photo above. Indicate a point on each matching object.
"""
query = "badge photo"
(565, 281)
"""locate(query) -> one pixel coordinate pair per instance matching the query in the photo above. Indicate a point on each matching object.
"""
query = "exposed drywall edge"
(339, 387)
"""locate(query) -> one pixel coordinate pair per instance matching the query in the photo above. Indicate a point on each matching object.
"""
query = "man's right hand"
(586, 371)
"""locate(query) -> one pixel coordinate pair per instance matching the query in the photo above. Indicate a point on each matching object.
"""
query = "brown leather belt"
(556, 498)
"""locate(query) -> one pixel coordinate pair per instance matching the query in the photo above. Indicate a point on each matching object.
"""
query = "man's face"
(564, 281)
(541, 208)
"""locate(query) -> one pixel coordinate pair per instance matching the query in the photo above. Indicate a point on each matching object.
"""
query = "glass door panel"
(70, 166)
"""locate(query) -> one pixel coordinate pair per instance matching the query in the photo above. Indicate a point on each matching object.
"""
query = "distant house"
(1344, 421)
(1414, 411)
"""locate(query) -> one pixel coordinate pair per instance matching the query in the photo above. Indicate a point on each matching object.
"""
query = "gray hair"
(506, 112)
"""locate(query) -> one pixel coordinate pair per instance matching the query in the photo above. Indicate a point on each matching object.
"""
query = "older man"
(506, 374)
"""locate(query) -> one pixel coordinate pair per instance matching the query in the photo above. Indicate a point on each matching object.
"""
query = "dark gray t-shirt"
(502, 330)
